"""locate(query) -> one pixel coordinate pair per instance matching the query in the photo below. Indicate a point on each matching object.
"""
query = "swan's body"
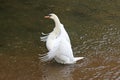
(58, 44)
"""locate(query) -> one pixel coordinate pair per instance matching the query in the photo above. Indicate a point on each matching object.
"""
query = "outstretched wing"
(50, 55)
(44, 38)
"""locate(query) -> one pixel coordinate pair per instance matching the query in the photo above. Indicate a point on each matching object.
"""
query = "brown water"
(94, 29)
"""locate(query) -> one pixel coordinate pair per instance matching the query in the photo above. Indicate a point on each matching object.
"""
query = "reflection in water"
(94, 31)
(54, 71)
(57, 72)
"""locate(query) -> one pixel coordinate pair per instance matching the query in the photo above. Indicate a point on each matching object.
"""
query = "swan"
(58, 44)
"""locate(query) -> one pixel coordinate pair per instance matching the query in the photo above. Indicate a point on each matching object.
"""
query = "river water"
(93, 27)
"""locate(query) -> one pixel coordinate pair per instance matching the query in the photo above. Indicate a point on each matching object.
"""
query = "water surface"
(93, 27)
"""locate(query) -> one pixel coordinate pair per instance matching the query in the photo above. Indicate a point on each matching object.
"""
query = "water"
(94, 31)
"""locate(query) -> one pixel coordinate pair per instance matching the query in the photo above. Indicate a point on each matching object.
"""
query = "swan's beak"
(47, 17)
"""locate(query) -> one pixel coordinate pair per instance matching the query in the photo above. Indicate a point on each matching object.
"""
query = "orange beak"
(47, 17)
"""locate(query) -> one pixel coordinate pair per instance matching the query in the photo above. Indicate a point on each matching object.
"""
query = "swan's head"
(51, 16)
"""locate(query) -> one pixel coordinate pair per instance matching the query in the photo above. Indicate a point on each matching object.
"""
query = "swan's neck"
(57, 22)
(57, 26)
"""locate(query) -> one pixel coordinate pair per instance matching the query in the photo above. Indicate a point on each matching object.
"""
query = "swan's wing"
(66, 36)
(51, 54)
(44, 38)
(44, 34)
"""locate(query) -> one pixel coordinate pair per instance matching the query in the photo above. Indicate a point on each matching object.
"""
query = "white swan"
(58, 44)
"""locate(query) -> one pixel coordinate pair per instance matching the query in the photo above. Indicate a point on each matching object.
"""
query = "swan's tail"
(78, 58)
